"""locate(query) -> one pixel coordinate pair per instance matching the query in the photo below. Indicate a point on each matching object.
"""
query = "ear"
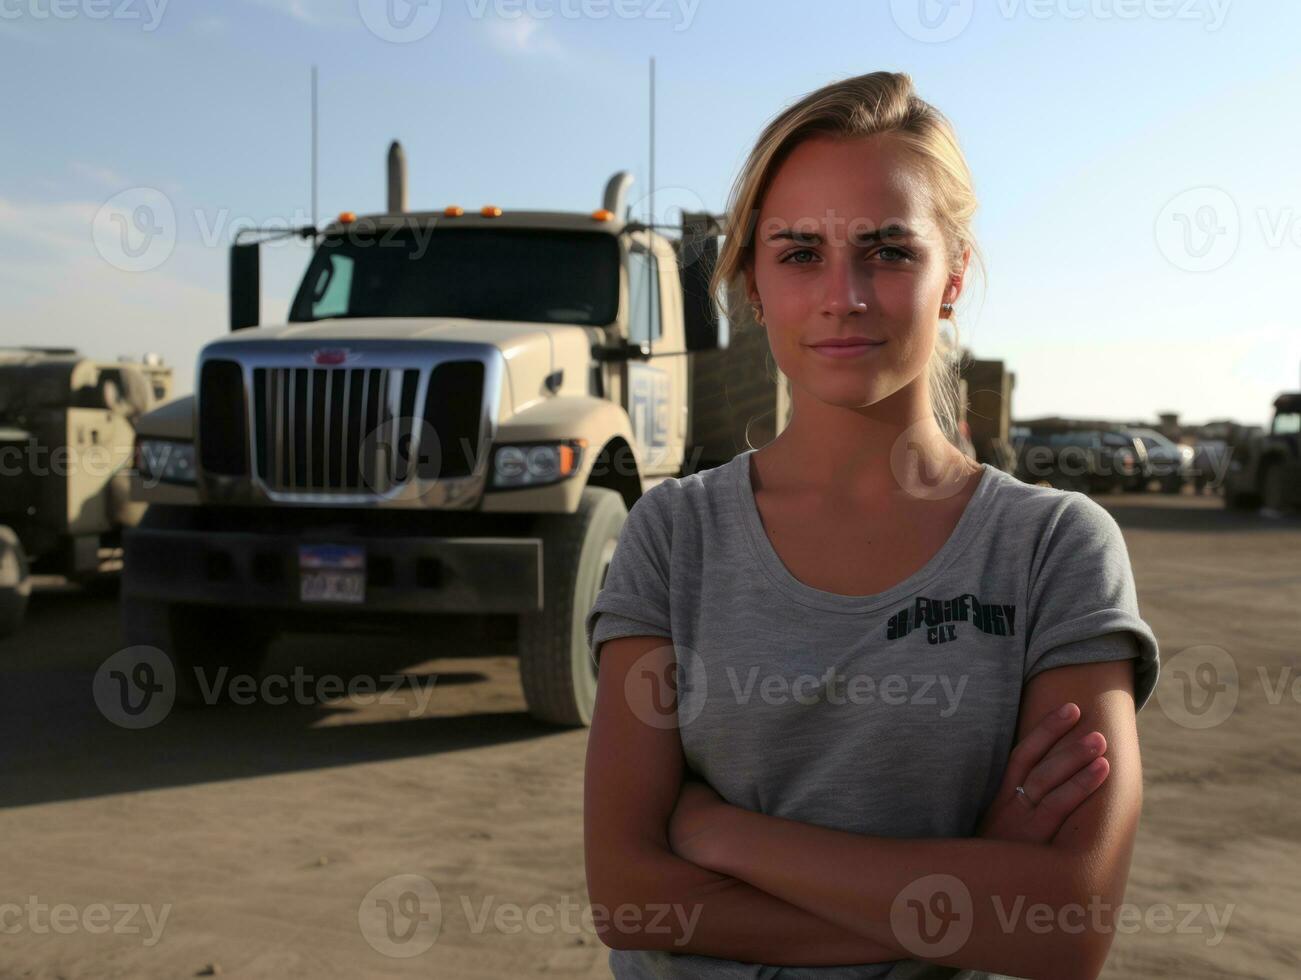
(747, 268)
(956, 280)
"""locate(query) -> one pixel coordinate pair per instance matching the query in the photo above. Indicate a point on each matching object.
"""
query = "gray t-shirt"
(889, 715)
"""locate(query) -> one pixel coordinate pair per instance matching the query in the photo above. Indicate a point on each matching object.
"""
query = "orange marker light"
(490, 211)
(347, 217)
(453, 211)
(601, 214)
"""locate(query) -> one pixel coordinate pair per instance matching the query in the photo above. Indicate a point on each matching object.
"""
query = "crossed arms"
(693, 874)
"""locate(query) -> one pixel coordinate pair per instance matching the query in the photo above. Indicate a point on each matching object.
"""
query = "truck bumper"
(406, 574)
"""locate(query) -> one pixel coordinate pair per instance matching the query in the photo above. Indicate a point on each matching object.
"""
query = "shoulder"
(687, 502)
(1039, 514)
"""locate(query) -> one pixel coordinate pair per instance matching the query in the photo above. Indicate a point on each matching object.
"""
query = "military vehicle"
(66, 441)
(1265, 469)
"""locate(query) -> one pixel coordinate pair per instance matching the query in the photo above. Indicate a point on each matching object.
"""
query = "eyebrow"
(895, 231)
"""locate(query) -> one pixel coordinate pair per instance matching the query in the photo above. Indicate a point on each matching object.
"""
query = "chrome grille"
(333, 429)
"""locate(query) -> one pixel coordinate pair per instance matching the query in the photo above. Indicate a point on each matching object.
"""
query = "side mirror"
(697, 254)
(245, 286)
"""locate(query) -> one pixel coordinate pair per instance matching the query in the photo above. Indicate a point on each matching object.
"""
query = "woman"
(815, 776)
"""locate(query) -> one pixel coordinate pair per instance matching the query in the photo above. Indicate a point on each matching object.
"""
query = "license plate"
(331, 573)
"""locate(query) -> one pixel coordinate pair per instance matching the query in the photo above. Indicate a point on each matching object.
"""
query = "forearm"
(974, 914)
(671, 904)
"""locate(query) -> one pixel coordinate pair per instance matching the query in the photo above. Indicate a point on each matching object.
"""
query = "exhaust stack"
(397, 179)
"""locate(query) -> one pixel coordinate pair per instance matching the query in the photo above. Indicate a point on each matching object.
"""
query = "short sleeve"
(1083, 605)
(634, 601)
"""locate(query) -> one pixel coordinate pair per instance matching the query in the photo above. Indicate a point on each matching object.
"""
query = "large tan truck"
(66, 437)
(454, 421)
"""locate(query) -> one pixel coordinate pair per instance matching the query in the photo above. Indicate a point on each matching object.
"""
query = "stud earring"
(946, 310)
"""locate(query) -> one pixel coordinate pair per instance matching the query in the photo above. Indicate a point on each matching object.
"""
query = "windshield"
(1154, 440)
(483, 274)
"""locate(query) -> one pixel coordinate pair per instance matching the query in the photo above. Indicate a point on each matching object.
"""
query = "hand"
(1057, 775)
(692, 820)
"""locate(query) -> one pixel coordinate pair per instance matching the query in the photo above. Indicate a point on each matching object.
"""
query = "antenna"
(314, 148)
(652, 285)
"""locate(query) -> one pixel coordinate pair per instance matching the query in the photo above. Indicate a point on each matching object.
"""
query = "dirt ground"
(270, 840)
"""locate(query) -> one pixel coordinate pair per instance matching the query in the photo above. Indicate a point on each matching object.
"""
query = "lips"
(846, 346)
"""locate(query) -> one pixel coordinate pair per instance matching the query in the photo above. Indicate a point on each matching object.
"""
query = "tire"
(1273, 489)
(15, 582)
(556, 668)
(198, 642)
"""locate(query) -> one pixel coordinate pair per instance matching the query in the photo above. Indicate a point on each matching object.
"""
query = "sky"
(1136, 161)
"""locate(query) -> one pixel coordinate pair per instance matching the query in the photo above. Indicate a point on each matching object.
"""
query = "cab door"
(655, 389)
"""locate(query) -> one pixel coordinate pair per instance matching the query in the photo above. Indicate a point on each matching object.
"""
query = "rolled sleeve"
(1083, 604)
(634, 600)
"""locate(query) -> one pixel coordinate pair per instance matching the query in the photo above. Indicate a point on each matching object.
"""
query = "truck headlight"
(535, 464)
(165, 461)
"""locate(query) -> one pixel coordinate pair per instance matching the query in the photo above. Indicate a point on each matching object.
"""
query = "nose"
(844, 294)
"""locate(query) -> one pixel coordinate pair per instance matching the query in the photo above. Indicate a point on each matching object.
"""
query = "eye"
(904, 256)
(794, 252)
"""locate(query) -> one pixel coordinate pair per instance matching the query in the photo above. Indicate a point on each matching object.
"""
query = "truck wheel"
(1274, 489)
(15, 583)
(198, 642)
(556, 669)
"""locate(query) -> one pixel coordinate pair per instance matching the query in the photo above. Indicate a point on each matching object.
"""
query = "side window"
(333, 287)
(1286, 423)
(644, 297)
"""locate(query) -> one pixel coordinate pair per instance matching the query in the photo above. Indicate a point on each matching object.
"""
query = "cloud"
(316, 13)
(522, 35)
(98, 175)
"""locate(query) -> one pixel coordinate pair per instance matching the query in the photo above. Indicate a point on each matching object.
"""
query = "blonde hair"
(865, 105)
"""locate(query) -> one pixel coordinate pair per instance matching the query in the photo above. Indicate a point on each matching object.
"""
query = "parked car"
(1088, 460)
(1167, 461)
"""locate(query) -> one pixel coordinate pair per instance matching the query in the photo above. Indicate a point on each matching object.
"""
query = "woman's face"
(845, 246)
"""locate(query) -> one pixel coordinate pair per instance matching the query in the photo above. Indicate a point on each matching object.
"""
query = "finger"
(1036, 744)
(1063, 763)
(1054, 808)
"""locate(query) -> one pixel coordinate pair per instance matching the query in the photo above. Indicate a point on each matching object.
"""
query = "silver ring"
(1020, 791)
